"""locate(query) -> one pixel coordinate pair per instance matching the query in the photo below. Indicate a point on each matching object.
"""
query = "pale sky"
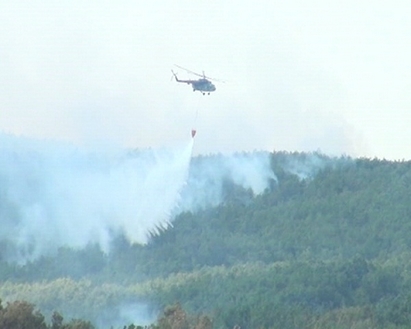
(300, 75)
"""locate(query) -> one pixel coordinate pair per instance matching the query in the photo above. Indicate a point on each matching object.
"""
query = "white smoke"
(137, 313)
(208, 174)
(55, 194)
(307, 165)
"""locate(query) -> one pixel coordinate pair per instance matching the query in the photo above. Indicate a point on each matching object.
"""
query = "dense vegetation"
(327, 245)
(22, 315)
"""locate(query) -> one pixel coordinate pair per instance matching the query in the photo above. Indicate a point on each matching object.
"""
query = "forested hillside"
(327, 243)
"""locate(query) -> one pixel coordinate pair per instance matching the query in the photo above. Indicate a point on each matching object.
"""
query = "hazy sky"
(301, 75)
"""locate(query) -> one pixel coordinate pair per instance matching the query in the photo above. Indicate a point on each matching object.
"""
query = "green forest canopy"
(329, 235)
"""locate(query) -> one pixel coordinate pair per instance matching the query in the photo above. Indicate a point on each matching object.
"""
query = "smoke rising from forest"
(55, 194)
(208, 175)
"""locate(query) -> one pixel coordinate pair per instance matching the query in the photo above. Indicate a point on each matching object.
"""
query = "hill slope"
(328, 235)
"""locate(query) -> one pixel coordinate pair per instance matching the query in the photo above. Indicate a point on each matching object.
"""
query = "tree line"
(326, 245)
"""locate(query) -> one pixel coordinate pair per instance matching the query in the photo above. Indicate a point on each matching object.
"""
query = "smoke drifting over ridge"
(55, 194)
(207, 175)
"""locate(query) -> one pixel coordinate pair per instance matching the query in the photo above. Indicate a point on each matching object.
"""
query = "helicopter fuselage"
(203, 85)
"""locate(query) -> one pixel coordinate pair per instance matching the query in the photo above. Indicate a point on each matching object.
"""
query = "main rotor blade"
(189, 71)
(218, 80)
(199, 75)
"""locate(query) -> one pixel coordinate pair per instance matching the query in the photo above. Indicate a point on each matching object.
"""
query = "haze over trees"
(327, 244)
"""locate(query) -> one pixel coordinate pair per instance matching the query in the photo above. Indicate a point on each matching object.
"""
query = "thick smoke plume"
(205, 186)
(55, 194)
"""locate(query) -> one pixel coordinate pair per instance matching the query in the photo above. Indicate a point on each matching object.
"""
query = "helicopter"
(204, 85)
